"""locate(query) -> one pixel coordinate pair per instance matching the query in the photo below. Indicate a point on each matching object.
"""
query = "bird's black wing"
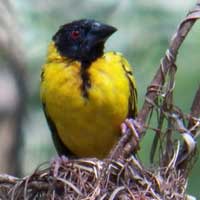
(132, 87)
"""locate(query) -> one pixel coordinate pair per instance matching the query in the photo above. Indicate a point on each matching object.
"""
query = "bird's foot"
(133, 126)
(57, 162)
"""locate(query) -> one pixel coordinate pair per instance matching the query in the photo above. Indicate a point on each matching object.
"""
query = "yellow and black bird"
(86, 93)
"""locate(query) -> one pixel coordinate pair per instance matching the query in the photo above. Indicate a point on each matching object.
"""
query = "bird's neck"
(85, 59)
(93, 54)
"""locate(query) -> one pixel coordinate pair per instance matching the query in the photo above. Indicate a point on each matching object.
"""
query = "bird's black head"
(82, 40)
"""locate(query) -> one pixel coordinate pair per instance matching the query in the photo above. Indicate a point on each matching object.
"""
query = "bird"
(86, 93)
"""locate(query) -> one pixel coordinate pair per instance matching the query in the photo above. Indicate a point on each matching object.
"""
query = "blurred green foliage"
(144, 31)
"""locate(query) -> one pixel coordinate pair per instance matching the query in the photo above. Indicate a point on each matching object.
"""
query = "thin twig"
(168, 61)
(195, 109)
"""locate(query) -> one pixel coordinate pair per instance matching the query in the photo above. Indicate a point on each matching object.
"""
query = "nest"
(90, 179)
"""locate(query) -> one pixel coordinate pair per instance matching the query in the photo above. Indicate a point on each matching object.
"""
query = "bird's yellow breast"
(88, 126)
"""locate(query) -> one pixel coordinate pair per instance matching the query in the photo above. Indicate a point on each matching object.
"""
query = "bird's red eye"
(75, 34)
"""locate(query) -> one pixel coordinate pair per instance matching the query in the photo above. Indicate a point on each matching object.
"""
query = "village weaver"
(86, 93)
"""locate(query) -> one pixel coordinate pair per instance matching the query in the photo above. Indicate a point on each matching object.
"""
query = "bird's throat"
(86, 84)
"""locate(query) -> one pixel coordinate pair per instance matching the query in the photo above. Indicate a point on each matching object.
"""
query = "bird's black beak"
(99, 33)
(102, 31)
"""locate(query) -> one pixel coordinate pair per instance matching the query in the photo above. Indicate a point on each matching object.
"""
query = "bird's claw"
(132, 125)
(57, 162)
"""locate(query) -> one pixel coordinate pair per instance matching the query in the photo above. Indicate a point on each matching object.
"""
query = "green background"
(144, 31)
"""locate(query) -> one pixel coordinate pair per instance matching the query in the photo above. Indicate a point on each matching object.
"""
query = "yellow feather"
(88, 126)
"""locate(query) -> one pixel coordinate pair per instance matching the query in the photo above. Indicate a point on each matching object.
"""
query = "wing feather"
(132, 86)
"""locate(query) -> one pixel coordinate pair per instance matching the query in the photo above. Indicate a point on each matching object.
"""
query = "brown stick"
(185, 159)
(168, 61)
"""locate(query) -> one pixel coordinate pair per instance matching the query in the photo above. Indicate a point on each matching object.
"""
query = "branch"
(195, 109)
(167, 62)
(188, 152)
